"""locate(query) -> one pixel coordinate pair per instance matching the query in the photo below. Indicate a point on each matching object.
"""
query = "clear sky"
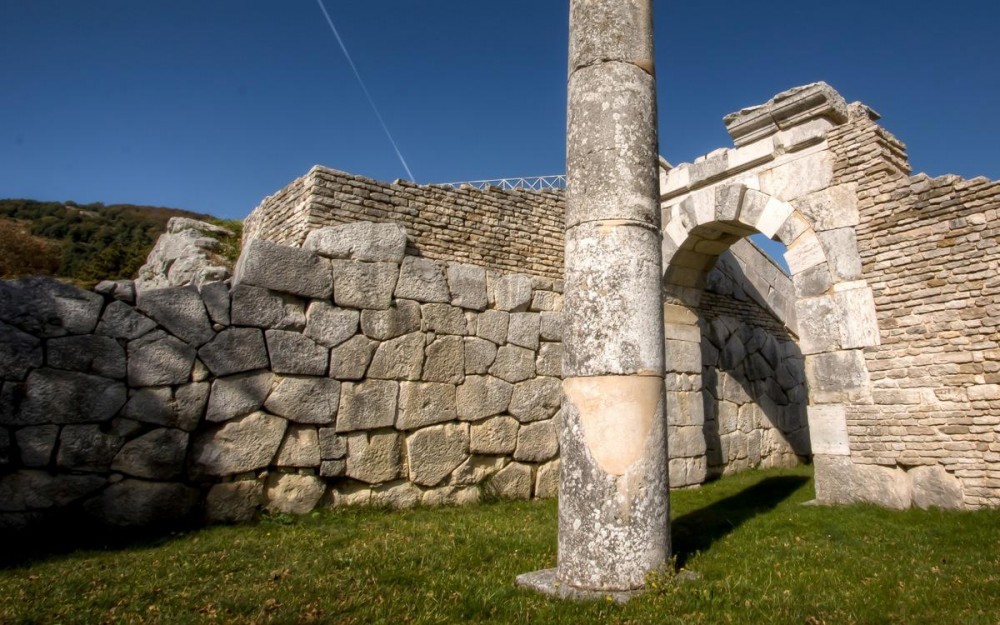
(209, 105)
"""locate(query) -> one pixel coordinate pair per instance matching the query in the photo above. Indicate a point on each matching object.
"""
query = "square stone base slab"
(545, 582)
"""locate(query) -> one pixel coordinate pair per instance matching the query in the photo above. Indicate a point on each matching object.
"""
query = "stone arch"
(835, 312)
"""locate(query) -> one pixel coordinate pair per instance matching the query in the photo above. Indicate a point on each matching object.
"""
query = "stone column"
(613, 495)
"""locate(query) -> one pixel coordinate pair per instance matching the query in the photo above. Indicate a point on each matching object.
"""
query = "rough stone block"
(381, 325)
(121, 321)
(831, 208)
(820, 322)
(401, 358)
(332, 446)
(367, 405)
(450, 496)
(547, 301)
(536, 399)
(476, 470)
(290, 493)
(180, 408)
(39, 490)
(537, 442)
(238, 395)
(445, 361)
(137, 503)
(235, 350)
(836, 377)
(350, 360)
(683, 357)
(549, 361)
(685, 442)
(158, 361)
(282, 268)
(479, 355)
(492, 326)
(859, 325)
(156, 455)
(240, 445)
(511, 482)
(444, 319)
(482, 396)
(216, 298)
(512, 292)
(296, 354)
(36, 444)
(813, 282)
(839, 481)
(798, 178)
(425, 403)
(305, 399)
(179, 310)
(547, 480)
(87, 353)
(513, 364)
(422, 280)
(364, 285)
(262, 308)
(436, 451)
(121, 290)
(45, 307)
(550, 326)
(375, 457)
(53, 396)
(933, 487)
(523, 330)
(361, 240)
(467, 285)
(333, 468)
(87, 448)
(19, 353)
(328, 325)
(350, 494)
(234, 502)
(495, 436)
(397, 496)
(841, 249)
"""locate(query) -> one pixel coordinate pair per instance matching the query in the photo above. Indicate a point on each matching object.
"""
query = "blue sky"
(211, 105)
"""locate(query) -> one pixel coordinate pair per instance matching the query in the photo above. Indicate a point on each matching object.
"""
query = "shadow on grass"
(697, 531)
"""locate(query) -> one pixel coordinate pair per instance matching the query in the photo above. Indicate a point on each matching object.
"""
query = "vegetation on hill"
(83, 243)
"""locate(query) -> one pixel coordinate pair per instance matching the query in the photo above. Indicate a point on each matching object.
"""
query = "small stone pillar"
(613, 495)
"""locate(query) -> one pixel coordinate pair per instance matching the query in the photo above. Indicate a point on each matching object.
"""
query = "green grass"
(763, 558)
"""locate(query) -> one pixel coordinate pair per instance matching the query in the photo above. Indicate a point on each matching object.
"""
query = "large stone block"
(179, 310)
(216, 298)
(513, 364)
(262, 308)
(87, 448)
(381, 325)
(234, 502)
(87, 353)
(546, 301)
(300, 448)
(933, 487)
(361, 240)
(536, 399)
(332, 446)
(305, 399)
(425, 403)
(282, 268)
(290, 493)
(476, 470)
(235, 350)
(422, 280)
(121, 321)
(238, 395)
(375, 457)
(445, 361)
(329, 325)
(363, 285)
(820, 321)
(137, 503)
(398, 495)
(550, 326)
(19, 353)
(158, 359)
(495, 436)
(511, 482)
(450, 496)
(122, 290)
(482, 396)
(156, 455)
(523, 330)
(53, 396)
(45, 307)
(296, 354)
(181, 408)
(240, 445)
(401, 358)
(685, 442)
(492, 325)
(39, 490)
(367, 405)
(837, 377)
(479, 355)
(841, 249)
(537, 442)
(839, 481)
(859, 326)
(36, 444)
(436, 451)
(511, 292)
(467, 285)
(444, 319)
(350, 360)
(547, 480)
(831, 208)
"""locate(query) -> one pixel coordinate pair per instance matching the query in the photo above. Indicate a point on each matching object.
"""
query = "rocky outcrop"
(186, 254)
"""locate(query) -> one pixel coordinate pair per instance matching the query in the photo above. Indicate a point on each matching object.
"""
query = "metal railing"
(531, 183)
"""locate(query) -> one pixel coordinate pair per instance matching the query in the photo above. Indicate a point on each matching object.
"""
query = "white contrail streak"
(368, 95)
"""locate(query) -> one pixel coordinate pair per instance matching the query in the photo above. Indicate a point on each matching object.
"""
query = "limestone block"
(53, 396)
(381, 325)
(156, 455)
(794, 179)
(304, 399)
(333, 468)
(467, 285)
(367, 405)
(328, 325)
(363, 285)
(836, 377)
(536, 399)
(804, 253)
(839, 481)
(859, 325)
(550, 326)
(401, 358)
(513, 364)
(813, 282)
(282, 268)
(511, 482)
(492, 326)
(794, 227)
(933, 487)
(396, 496)
(293, 353)
(361, 240)
(263, 308)
(820, 324)
(87, 448)
(36, 444)
(300, 448)
(523, 329)
(235, 350)
(434, 452)
(332, 446)
(732, 353)
(685, 408)
(121, 321)
(374, 457)
(240, 445)
(546, 301)
(138, 503)
(683, 356)
(773, 217)
(476, 470)
(609, 31)
(444, 319)
(682, 332)
(45, 307)
(238, 395)
(19, 353)
(479, 355)
(160, 360)
(537, 442)
(445, 360)
(482, 396)
(101, 355)
(234, 502)
(215, 295)
(685, 442)
(425, 403)
(38, 490)
(511, 292)
(841, 249)
(179, 310)
(828, 430)
(983, 392)
(450, 496)
(547, 480)
(422, 280)
(290, 493)
(181, 407)
(495, 436)
(350, 360)
(831, 208)
(549, 361)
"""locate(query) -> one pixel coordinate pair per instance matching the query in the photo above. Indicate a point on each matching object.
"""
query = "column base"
(545, 582)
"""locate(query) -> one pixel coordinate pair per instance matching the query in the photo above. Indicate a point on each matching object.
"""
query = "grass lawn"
(763, 558)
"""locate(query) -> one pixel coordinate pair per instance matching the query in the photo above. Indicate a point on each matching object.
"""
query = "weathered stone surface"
(512, 292)
(19, 352)
(350, 494)
(511, 482)
(550, 326)
(381, 325)
(235, 350)
(375, 457)
(290, 493)
(87, 448)
(238, 446)
(137, 503)
(332, 446)
(36, 444)
(296, 354)
(234, 502)
(186, 254)
(87, 353)
(467, 284)
(38, 490)
(436, 451)
(445, 360)
(546, 301)
(53, 396)
(839, 481)
(363, 285)
(180, 408)
(215, 295)
(121, 321)
(549, 361)
(536, 399)
(350, 360)
(547, 480)
(477, 470)
(422, 280)
(360, 240)
(513, 364)
(328, 325)
(443, 319)
(497, 436)
(179, 310)
(282, 268)
(933, 487)
(305, 399)
(836, 376)
(159, 360)
(450, 496)
(156, 455)
(523, 330)
(859, 325)
(238, 395)
(685, 442)
(333, 468)
(479, 355)
(841, 249)
(397, 496)
(261, 308)
(492, 325)
(300, 448)
(45, 307)
(401, 358)
(425, 403)
(121, 290)
(367, 405)
(537, 442)
(482, 396)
